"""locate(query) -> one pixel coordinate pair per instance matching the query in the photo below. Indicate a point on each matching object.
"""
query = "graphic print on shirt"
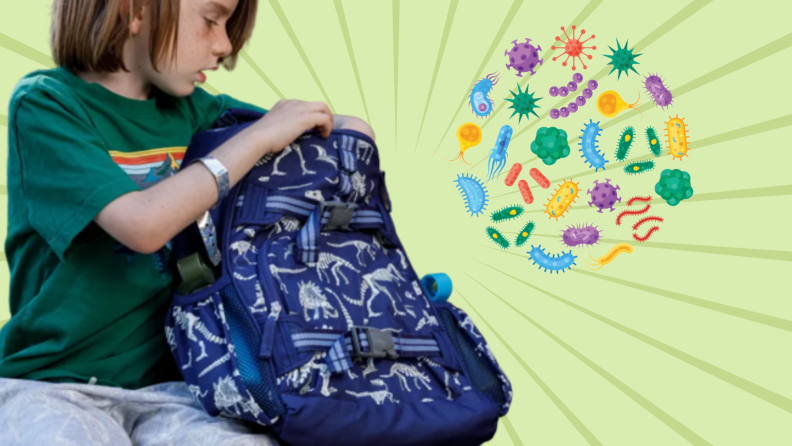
(147, 167)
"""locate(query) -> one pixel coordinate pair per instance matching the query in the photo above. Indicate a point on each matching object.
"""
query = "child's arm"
(353, 123)
(146, 220)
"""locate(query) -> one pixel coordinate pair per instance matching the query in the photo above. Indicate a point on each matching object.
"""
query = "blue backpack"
(308, 317)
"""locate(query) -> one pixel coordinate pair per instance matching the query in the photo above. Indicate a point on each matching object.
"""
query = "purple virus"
(580, 235)
(657, 89)
(523, 57)
(604, 195)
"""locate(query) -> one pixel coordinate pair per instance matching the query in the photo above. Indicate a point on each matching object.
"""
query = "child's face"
(202, 41)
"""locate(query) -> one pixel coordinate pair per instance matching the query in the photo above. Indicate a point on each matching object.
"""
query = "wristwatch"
(221, 176)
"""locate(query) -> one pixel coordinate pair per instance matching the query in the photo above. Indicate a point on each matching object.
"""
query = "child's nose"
(223, 46)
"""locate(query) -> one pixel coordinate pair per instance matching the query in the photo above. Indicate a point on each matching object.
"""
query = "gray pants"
(42, 413)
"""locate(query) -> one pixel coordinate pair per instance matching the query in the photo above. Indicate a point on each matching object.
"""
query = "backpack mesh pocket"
(481, 373)
(255, 372)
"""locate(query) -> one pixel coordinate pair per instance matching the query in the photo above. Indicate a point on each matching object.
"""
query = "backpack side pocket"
(474, 354)
(220, 368)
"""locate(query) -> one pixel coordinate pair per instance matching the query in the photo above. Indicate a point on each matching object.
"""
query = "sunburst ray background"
(686, 340)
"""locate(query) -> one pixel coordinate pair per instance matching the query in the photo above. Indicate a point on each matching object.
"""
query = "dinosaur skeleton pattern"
(322, 156)
(361, 246)
(196, 391)
(329, 260)
(296, 186)
(242, 247)
(276, 272)
(170, 336)
(372, 281)
(286, 152)
(366, 148)
(358, 186)
(467, 324)
(403, 259)
(379, 396)
(350, 323)
(311, 298)
(404, 371)
(302, 376)
(238, 276)
(191, 323)
(428, 319)
(228, 398)
(260, 305)
(426, 360)
(286, 223)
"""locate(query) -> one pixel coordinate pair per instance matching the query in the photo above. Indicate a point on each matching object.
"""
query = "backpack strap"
(364, 342)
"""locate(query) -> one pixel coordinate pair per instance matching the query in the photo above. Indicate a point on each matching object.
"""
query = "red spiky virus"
(573, 47)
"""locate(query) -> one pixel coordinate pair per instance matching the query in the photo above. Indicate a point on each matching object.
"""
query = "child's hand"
(289, 119)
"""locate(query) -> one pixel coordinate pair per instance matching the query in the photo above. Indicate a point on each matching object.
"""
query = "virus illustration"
(625, 141)
(523, 57)
(523, 103)
(610, 104)
(651, 138)
(657, 89)
(499, 154)
(622, 59)
(639, 167)
(525, 191)
(550, 145)
(497, 237)
(507, 213)
(580, 235)
(589, 147)
(562, 199)
(475, 193)
(479, 95)
(558, 262)
(607, 258)
(604, 195)
(469, 135)
(676, 132)
(525, 234)
(514, 172)
(573, 47)
(540, 178)
(674, 186)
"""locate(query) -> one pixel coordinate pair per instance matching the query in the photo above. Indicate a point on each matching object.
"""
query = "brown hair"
(90, 34)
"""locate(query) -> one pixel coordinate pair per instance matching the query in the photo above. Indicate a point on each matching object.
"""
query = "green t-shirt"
(83, 305)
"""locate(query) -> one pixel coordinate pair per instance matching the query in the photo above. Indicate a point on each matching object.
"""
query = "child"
(94, 198)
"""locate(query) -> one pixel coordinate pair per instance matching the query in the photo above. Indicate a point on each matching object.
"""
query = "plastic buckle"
(380, 342)
(341, 214)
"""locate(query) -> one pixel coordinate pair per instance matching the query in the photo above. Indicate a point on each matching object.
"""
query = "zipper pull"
(268, 337)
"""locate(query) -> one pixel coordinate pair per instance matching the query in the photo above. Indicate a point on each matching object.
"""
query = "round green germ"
(550, 145)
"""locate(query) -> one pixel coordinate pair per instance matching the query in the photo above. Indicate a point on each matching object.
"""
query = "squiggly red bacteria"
(644, 210)
(645, 219)
(648, 234)
(634, 199)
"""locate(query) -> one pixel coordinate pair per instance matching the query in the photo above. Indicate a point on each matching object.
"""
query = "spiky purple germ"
(657, 89)
(580, 235)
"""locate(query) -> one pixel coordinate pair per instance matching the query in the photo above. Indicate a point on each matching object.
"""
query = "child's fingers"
(325, 122)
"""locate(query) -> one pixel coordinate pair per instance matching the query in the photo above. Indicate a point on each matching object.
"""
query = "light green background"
(684, 341)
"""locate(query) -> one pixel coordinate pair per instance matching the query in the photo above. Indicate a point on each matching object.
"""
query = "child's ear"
(134, 19)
